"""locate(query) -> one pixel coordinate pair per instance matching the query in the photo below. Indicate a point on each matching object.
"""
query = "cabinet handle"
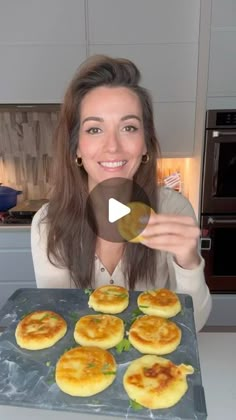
(212, 221)
(223, 133)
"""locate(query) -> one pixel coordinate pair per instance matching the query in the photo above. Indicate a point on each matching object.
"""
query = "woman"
(105, 131)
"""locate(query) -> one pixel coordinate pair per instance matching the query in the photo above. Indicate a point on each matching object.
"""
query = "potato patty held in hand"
(131, 226)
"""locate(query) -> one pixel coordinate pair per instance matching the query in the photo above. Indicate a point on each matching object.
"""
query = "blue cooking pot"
(8, 198)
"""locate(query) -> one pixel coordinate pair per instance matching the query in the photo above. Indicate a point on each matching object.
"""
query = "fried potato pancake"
(109, 299)
(152, 334)
(156, 382)
(130, 225)
(40, 330)
(160, 302)
(104, 331)
(85, 371)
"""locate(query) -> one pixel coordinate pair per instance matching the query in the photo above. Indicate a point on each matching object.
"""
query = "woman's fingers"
(175, 234)
(180, 226)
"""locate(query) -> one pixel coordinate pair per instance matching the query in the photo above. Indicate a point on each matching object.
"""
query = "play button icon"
(116, 210)
(110, 206)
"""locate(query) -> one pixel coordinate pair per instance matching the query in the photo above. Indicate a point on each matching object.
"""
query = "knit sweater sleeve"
(47, 275)
(191, 282)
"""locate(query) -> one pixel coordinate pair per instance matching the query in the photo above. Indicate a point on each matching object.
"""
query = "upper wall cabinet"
(42, 22)
(222, 62)
(143, 21)
(43, 42)
(41, 45)
(161, 37)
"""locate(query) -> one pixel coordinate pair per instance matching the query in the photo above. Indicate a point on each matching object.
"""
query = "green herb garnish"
(135, 405)
(45, 316)
(48, 363)
(143, 306)
(23, 316)
(91, 365)
(123, 345)
(108, 372)
(74, 316)
(96, 319)
(88, 291)
(50, 381)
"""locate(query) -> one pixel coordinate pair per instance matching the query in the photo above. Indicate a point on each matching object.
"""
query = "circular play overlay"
(118, 210)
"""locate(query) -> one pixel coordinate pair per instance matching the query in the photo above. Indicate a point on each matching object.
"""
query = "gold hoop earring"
(78, 161)
(145, 158)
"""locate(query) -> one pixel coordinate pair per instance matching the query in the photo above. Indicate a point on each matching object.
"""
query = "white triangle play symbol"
(116, 210)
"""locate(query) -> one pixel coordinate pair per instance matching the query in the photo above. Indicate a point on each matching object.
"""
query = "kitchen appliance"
(27, 208)
(218, 206)
(23, 213)
(8, 197)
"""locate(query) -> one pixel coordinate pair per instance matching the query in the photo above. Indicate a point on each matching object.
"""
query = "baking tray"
(27, 377)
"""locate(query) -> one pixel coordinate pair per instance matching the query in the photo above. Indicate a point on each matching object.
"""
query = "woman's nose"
(112, 143)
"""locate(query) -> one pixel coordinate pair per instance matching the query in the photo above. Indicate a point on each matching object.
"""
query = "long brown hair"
(71, 241)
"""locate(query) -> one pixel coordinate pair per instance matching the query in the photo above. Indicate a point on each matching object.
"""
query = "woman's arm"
(174, 230)
(46, 274)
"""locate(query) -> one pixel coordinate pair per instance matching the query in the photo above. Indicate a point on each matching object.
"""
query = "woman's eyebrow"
(130, 116)
(93, 119)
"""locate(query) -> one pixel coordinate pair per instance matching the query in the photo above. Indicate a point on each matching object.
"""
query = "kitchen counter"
(14, 227)
(217, 356)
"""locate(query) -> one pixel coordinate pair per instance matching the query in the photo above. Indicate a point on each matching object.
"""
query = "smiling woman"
(106, 132)
(111, 135)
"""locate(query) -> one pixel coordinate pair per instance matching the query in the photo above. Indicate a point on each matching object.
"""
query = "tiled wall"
(25, 147)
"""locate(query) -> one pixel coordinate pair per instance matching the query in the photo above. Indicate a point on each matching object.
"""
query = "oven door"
(219, 172)
(218, 248)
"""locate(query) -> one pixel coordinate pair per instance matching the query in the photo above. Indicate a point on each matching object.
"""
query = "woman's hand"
(176, 234)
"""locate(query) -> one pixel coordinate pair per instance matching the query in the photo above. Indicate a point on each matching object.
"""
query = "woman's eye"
(130, 128)
(93, 130)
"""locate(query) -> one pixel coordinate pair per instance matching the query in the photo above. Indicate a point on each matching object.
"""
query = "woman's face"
(111, 136)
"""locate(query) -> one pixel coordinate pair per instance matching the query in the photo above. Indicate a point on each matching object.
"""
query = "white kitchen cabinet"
(42, 22)
(175, 127)
(16, 265)
(221, 91)
(168, 71)
(222, 65)
(37, 73)
(41, 45)
(161, 37)
(143, 21)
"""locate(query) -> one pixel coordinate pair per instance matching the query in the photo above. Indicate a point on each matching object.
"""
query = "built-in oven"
(219, 168)
(219, 251)
(218, 205)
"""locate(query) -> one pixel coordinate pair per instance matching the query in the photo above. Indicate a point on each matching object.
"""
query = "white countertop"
(218, 366)
(14, 227)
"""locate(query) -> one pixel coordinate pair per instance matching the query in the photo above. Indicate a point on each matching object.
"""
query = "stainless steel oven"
(219, 173)
(218, 245)
(218, 206)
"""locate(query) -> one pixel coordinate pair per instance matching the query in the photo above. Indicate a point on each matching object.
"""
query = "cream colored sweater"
(169, 275)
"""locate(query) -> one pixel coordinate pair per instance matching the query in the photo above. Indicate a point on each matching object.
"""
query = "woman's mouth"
(113, 164)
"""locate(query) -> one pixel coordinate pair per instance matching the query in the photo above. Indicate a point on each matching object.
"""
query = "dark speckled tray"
(27, 380)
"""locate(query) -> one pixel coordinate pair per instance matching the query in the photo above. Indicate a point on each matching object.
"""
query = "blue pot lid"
(8, 190)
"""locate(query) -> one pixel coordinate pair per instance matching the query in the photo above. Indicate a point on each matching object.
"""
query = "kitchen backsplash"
(26, 147)
(26, 154)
